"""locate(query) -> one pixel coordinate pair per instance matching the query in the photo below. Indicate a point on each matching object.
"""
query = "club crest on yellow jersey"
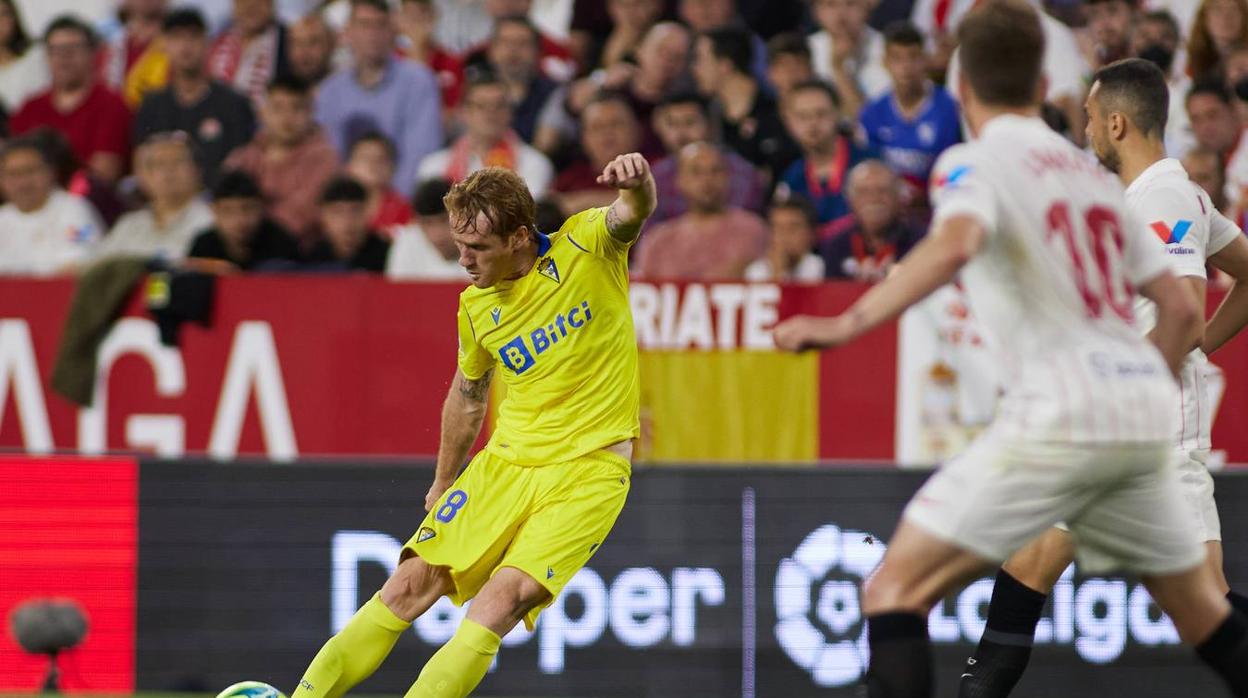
(546, 267)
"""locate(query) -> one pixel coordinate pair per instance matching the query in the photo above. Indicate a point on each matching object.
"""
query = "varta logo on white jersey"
(519, 355)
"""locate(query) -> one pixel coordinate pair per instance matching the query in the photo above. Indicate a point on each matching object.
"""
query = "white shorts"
(1122, 503)
(1197, 488)
(1196, 484)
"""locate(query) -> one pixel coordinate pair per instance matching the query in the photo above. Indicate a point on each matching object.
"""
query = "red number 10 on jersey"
(1101, 238)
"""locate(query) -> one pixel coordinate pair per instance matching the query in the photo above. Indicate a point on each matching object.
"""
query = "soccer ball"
(251, 689)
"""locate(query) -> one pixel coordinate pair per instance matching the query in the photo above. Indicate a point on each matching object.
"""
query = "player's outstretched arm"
(629, 173)
(933, 263)
(462, 416)
(1178, 318)
(1232, 315)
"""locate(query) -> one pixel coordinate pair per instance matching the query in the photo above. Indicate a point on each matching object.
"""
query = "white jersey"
(1053, 286)
(1180, 213)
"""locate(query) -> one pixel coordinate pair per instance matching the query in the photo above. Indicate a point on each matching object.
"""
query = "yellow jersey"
(562, 339)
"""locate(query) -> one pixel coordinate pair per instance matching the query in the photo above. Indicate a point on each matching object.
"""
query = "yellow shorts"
(545, 521)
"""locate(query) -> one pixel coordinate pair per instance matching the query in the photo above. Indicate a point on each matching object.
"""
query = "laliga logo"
(819, 621)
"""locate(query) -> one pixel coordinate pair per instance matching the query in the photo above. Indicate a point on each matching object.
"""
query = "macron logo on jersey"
(1168, 235)
(951, 178)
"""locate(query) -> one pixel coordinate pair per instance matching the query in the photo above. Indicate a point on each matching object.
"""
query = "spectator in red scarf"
(488, 141)
(865, 244)
(252, 51)
(371, 162)
(812, 117)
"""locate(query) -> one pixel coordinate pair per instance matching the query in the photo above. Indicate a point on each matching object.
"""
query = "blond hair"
(497, 193)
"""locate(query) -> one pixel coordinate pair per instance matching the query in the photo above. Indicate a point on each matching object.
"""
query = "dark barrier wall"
(714, 583)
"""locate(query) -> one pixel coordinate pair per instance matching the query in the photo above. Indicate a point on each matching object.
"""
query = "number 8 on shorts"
(454, 502)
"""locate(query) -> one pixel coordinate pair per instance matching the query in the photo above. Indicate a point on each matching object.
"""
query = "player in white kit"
(1127, 108)
(1050, 260)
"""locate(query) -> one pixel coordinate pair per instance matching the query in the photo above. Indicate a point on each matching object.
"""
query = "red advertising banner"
(312, 365)
(290, 366)
(69, 532)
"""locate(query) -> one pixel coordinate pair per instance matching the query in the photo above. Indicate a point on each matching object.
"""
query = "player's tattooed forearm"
(617, 227)
(613, 219)
(477, 390)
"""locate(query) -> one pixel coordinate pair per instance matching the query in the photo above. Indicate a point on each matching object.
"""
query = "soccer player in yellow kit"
(551, 315)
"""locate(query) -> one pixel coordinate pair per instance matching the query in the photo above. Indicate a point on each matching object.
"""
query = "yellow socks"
(354, 653)
(457, 668)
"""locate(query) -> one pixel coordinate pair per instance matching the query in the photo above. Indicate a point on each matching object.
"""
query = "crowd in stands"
(791, 140)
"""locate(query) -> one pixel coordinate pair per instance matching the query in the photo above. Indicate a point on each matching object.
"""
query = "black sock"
(1005, 647)
(901, 656)
(1239, 601)
(1226, 651)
